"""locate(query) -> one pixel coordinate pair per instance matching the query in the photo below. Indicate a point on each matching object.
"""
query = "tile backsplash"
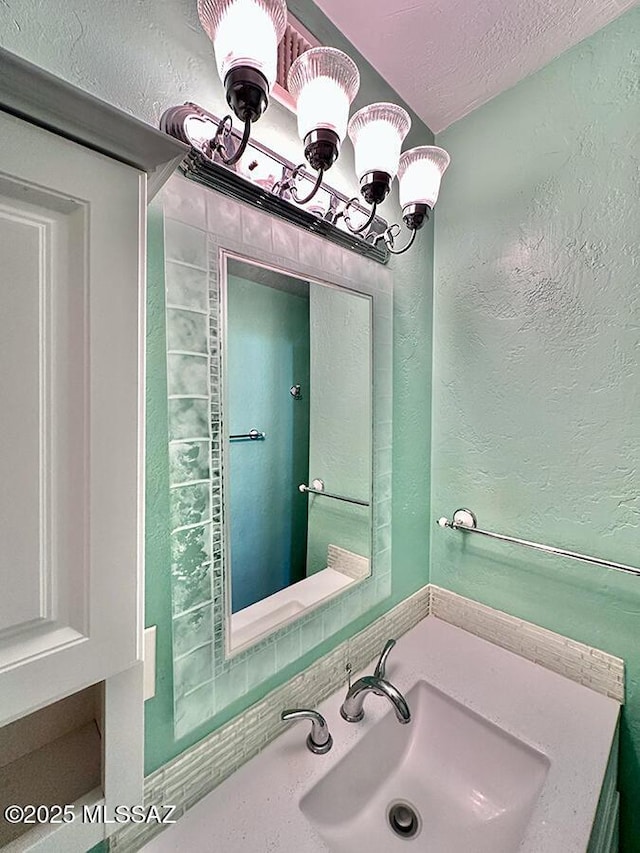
(596, 669)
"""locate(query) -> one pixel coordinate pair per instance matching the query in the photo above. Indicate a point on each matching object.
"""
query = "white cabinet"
(74, 178)
(71, 392)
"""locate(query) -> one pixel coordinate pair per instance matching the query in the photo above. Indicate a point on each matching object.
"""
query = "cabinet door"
(71, 407)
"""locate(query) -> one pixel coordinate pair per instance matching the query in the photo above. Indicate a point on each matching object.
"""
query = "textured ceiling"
(447, 57)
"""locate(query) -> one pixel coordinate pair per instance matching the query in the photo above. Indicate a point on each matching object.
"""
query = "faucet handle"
(319, 740)
(381, 666)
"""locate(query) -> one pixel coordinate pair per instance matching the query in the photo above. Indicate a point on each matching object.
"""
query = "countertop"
(256, 809)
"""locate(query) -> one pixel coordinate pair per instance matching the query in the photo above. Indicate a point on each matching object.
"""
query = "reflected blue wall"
(267, 353)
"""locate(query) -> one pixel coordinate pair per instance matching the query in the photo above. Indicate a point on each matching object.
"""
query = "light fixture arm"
(218, 142)
(307, 198)
(289, 185)
(414, 216)
(389, 240)
(347, 221)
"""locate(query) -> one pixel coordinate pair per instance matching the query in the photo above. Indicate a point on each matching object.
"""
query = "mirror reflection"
(297, 456)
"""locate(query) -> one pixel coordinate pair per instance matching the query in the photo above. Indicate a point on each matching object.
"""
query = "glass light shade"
(420, 173)
(323, 82)
(245, 33)
(377, 133)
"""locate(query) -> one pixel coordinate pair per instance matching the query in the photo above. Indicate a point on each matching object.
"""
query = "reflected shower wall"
(267, 353)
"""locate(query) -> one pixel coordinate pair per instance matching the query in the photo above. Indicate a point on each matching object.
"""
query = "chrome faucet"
(381, 666)
(352, 708)
(319, 739)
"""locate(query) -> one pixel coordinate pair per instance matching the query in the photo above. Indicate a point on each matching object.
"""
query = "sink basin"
(472, 785)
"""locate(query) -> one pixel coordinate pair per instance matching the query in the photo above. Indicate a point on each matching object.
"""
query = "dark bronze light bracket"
(414, 217)
(252, 173)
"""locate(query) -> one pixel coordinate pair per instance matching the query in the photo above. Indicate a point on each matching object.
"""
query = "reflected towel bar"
(252, 435)
(317, 488)
(465, 520)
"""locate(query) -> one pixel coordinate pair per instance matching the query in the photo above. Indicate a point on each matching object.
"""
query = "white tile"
(185, 244)
(310, 251)
(597, 669)
(286, 238)
(332, 255)
(287, 648)
(185, 201)
(256, 229)
(223, 217)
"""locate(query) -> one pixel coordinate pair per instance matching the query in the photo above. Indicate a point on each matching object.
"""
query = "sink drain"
(403, 819)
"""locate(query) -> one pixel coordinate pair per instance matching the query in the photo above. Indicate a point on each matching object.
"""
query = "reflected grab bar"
(465, 520)
(317, 488)
(252, 435)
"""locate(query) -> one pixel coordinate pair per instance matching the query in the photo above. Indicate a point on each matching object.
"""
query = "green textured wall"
(536, 346)
(144, 57)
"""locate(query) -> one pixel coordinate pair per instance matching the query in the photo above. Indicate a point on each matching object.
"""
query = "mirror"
(296, 367)
(339, 427)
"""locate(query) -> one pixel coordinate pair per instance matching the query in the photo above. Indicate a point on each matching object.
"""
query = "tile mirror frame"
(200, 224)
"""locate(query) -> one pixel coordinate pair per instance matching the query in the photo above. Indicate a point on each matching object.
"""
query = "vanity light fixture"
(323, 82)
(420, 173)
(377, 133)
(245, 36)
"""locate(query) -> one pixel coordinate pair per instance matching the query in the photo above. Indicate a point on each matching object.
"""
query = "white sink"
(501, 756)
(471, 785)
